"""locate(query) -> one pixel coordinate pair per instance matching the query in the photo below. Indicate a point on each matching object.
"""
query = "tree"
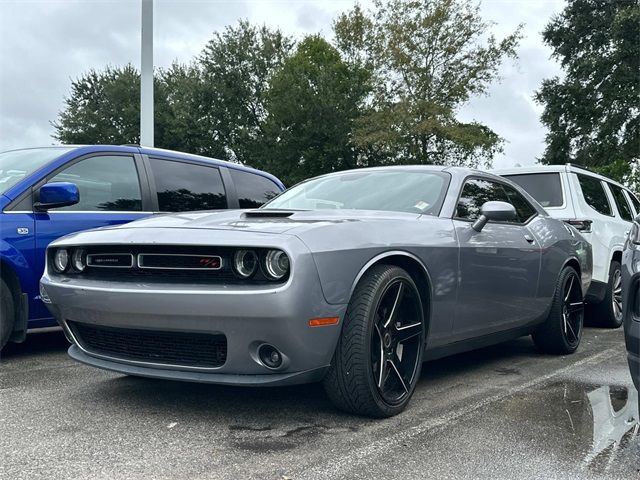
(592, 113)
(427, 59)
(312, 103)
(237, 66)
(104, 107)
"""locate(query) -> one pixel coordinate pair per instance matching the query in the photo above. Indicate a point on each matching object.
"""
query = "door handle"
(529, 239)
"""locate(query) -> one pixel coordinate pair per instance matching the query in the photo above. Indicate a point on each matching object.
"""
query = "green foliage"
(312, 102)
(592, 113)
(388, 91)
(104, 107)
(427, 59)
(237, 66)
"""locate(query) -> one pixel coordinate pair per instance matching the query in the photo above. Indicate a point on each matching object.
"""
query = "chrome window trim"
(137, 362)
(109, 266)
(142, 267)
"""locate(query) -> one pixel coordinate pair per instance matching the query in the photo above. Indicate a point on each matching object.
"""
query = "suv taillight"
(583, 225)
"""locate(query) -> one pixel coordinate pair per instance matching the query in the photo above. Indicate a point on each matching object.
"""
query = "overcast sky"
(46, 43)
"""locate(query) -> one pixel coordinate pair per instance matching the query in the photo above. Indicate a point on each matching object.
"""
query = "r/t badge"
(23, 231)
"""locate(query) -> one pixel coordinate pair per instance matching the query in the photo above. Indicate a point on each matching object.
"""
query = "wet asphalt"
(502, 412)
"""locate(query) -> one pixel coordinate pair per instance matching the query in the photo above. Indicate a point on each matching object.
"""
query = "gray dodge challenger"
(352, 278)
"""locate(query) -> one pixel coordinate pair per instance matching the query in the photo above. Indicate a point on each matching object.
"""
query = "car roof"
(158, 152)
(569, 167)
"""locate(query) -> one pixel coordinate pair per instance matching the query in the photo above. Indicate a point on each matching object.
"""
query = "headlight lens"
(61, 260)
(276, 264)
(79, 260)
(245, 263)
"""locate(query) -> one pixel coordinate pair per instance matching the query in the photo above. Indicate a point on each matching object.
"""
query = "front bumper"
(631, 291)
(247, 316)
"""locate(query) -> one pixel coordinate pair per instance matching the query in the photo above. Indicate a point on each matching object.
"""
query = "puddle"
(589, 426)
(615, 423)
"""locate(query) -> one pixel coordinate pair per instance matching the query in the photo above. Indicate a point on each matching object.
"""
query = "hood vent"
(268, 213)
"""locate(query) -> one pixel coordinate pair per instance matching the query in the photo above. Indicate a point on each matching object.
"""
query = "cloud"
(45, 44)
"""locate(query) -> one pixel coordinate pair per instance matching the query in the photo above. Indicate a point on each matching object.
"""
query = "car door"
(111, 193)
(499, 266)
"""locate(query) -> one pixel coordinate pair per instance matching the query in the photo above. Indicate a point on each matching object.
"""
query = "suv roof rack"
(130, 145)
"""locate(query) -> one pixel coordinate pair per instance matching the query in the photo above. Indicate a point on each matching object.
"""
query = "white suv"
(601, 209)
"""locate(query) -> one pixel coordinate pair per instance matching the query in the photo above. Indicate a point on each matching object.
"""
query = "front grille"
(164, 264)
(203, 350)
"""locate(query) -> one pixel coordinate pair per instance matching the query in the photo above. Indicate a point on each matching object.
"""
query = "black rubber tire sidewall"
(7, 313)
(549, 336)
(602, 314)
(353, 389)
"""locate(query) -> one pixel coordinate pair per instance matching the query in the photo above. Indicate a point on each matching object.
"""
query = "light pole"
(146, 75)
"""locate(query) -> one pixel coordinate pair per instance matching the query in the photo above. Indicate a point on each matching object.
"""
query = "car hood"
(262, 220)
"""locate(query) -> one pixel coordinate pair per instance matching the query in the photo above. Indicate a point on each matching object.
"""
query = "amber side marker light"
(323, 322)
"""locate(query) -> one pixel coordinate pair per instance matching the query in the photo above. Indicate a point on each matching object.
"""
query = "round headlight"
(245, 263)
(79, 260)
(276, 264)
(61, 260)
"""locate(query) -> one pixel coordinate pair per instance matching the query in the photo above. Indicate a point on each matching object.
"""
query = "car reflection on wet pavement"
(613, 427)
(501, 413)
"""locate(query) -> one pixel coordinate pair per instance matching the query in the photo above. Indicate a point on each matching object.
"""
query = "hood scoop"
(268, 213)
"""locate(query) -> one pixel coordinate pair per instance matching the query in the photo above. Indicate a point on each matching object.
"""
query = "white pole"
(146, 75)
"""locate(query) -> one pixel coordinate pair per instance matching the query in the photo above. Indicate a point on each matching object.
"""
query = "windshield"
(17, 164)
(386, 190)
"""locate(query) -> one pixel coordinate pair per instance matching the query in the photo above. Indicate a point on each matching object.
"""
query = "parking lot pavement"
(501, 412)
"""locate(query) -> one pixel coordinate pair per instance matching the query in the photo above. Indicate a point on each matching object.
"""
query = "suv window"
(253, 190)
(594, 194)
(635, 201)
(524, 210)
(546, 188)
(108, 182)
(624, 209)
(184, 187)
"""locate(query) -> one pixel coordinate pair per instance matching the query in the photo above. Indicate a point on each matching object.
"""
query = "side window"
(253, 190)
(474, 194)
(594, 194)
(524, 210)
(184, 187)
(107, 182)
(635, 201)
(624, 209)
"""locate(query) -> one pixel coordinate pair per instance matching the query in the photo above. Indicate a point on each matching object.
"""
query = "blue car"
(46, 193)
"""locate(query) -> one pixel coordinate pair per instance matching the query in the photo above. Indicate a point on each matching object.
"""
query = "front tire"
(562, 331)
(378, 359)
(609, 313)
(7, 313)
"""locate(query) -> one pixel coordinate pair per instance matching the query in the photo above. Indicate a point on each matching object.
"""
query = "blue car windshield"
(395, 190)
(17, 164)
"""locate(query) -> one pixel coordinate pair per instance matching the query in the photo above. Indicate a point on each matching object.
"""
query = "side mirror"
(496, 212)
(57, 194)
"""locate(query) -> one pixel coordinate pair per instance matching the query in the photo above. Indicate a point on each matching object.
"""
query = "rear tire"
(7, 313)
(609, 313)
(378, 359)
(562, 331)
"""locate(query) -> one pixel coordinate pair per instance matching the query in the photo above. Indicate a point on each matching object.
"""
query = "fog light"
(270, 356)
